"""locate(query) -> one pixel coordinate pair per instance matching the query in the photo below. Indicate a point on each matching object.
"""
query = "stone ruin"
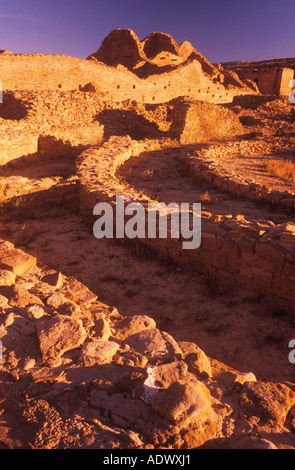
(76, 372)
(271, 79)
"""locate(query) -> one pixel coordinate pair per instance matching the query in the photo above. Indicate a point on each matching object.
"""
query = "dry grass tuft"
(148, 173)
(205, 198)
(281, 168)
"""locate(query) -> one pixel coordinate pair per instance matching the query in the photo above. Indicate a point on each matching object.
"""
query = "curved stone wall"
(208, 164)
(257, 256)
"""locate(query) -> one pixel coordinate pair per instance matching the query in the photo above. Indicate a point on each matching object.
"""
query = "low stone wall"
(253, 101)
(70, 143)
(257, 256)
(198, 121)
(207, 165)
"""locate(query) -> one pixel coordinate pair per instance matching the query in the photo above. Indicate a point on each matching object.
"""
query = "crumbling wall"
(270, 81)
(121, 46)
(156, 43)
(287, 75)
(197, 121)
(70, 142)
(257, 257)
(68, 74)
(13, 107)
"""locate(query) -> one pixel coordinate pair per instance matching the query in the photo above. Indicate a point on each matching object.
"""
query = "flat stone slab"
(16, 261)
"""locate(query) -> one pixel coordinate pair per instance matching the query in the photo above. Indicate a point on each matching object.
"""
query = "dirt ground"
(232, 326)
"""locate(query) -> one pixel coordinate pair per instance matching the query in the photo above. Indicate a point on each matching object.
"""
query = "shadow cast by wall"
(12, 107)
(121, 122)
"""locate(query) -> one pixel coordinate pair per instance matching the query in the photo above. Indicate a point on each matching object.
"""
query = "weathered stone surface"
(132, 411)
(46, 374)
(158, 346)
(229, 379)
(22, 298)
(166, 374)
(197, 361)
(205, 431)
(7, 278)
(16, 261)
(56, 299)
(132, 325)
(64, 306)
(183, 402)
(269, 401)
(131, 358)
(34, 312)
(3, 302)
(53, 279)
(58, 335)
(7, 320)
(70, 308)
(99, 352)
(80, 291)
(121, 46)
(132, 382)
(102, 329)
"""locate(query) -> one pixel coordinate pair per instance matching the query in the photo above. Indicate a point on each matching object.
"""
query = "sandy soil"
(232, 326)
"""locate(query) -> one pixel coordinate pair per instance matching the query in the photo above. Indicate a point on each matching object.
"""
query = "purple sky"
(222, 30)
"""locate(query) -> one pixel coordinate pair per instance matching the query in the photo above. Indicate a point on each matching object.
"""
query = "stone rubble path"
(79, 374)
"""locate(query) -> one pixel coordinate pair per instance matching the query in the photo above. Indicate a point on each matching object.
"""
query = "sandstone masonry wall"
(44, 72)
(258, 256)
(270, 80)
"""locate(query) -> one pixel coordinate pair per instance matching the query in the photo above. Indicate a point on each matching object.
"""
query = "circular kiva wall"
(259, 257)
